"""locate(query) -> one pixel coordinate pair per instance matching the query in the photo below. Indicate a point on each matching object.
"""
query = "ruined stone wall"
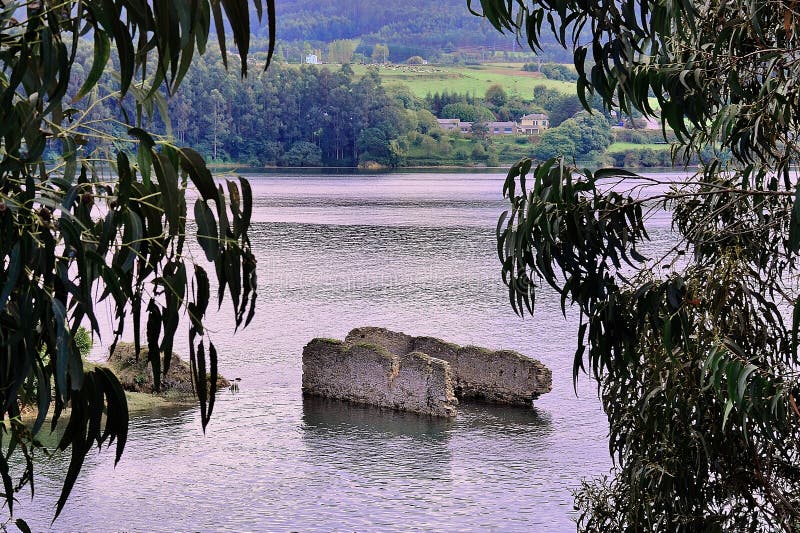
(369, 373)
(499, 376)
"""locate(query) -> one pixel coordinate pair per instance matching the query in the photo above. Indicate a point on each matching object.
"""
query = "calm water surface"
(412, 252)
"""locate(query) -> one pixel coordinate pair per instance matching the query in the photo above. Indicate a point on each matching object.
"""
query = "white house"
(534, 124)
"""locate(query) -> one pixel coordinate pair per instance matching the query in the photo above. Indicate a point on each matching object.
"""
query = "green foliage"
(593, 132)
(341, 51)
(695, 348)
(284, 106)
(561, 106)
(426, 122)
(553, 142)
(105, 220)
(552, 71)
(303, 154)
(679, 55)
(479, 152)
(576, 137)
(257, 120)
(556, 71)
(403, 96)
(411, 28)
(470, 81)
(430, 150)
(693, 360)
(374, 145)
(644, 156)
(83, 342)
(437, 102)
(496, 95)
(467, 112)
(380, 53)
(479, 130)
(626, 135)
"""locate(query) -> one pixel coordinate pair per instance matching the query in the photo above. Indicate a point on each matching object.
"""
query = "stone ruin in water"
(418, 374)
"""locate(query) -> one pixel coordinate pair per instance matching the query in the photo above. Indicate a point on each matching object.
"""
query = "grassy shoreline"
(138, 403)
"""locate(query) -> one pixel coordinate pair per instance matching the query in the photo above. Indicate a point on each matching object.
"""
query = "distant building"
(494, 128)
(502, 128)
(311, 59)
(448, 124)
(534, 124)
(454, 124)
(531, 125)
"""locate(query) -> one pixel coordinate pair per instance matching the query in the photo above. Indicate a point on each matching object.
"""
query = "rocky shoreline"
(136, 377)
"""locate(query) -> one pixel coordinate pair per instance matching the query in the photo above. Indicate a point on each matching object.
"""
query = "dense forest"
(412, 28)
(288, 116)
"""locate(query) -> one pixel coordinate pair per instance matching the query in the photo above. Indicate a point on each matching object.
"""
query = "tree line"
(302, 116)
(287, 116)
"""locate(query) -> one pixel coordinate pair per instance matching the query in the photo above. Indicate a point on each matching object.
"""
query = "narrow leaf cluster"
(107, 227)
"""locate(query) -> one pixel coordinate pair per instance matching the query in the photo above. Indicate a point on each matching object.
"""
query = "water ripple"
(410, 252)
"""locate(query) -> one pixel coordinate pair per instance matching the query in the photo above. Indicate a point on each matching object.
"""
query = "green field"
(503, 150)
(624, 147)
(425, 79)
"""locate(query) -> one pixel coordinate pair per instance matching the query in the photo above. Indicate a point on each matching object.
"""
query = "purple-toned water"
(412, 252)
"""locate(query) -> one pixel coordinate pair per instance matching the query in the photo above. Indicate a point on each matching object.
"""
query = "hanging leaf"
(168, 184)
(102, 51)
(207, 232)
(153, 333)
(794, 224)
(193, 164)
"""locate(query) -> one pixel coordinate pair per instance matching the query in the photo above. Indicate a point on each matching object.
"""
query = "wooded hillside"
(415, 27)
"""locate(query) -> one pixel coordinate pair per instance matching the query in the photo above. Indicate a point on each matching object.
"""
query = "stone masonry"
(497, 376)
(367, 373)
(419, 374)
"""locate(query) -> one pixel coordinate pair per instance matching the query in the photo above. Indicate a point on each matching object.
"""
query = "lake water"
(411, 252)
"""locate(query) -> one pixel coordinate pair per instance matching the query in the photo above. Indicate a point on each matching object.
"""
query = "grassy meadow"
(472, 79)
(625, 146)
(461, 150)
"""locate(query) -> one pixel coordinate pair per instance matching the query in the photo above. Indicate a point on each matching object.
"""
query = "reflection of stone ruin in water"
(418, 374)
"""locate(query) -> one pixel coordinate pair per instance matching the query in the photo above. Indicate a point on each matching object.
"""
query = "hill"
(414, 27)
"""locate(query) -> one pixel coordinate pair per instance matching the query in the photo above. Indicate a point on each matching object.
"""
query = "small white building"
(312, 59)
